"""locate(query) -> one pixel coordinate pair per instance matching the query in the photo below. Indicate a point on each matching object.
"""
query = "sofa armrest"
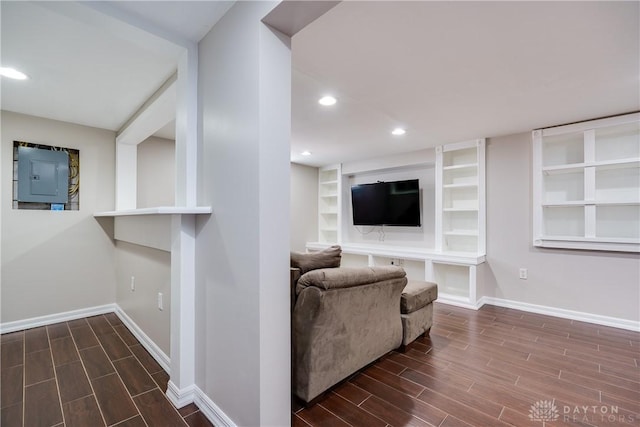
(347, 277)
(294, 277)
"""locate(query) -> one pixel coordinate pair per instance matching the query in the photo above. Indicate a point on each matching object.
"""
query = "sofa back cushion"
(346, 277)
(326, 258)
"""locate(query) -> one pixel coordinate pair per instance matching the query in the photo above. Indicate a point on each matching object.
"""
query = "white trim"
(591, 124)
(211, 410)
(50, 319)
(598, 319)
(159, 210)
(178, 397)
(153, 349)
(462, 145)
(404, 252)
(457, 301)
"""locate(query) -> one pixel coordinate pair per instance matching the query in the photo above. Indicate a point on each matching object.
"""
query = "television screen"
(386, 203)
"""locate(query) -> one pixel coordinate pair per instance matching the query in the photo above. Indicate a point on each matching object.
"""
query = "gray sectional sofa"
(343, 319)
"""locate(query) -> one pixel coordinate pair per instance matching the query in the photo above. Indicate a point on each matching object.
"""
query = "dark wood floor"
(476, 368)
(88, 373)
(488, 368)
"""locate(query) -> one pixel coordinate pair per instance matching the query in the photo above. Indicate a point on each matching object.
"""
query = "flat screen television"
(394, 203)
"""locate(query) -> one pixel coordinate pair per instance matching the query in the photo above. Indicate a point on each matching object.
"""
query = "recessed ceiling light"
(398, 132)
(327, 100)
(306, 153)
(12, 73)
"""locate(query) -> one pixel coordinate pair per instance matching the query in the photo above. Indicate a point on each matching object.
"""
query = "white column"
(187, 129)
(126, 175)
(181, 386)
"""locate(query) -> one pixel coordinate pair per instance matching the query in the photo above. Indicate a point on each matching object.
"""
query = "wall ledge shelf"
(405, 252)
(619, 244)
(160, 210)
(595, 205)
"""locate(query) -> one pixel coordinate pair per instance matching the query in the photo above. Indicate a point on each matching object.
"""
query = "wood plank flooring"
(488, 368)
(88, 373)
(476, 368)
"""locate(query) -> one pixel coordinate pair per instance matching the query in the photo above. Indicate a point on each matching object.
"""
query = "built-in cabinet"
(586, 185)
(459, 215)
(329, 204)
(460, 197)
(460, 219)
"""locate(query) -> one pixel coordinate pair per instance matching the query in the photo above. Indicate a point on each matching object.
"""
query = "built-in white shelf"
(160, 210)
(586, 185)
(459, 167)
(460, 216)
(471, 185)
(459, 253)
(456, 273)
(404, 252)
(460, 210)
(469, 233)
(329, 204)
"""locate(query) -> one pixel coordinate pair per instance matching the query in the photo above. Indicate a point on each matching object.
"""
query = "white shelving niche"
(460, 198)
(460, 220)
(329, 204)
(587, 185)
(454, 257)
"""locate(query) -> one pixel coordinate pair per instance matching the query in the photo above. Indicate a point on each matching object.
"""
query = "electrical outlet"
(160, 302)
(523, 273)
(133, 283)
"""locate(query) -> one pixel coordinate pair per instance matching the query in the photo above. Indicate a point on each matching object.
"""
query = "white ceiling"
(454, 71)
(447, 71)
(89, 63)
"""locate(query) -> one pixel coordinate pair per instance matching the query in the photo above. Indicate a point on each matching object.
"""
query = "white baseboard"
(457, 301)
(153, 349)
(50, 319)
(211, 410)
(180, 397)
(563, 313)
(193, 394)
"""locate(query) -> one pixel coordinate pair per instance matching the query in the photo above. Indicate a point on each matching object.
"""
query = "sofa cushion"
(417, 294)
(346, 277)
(326, 258)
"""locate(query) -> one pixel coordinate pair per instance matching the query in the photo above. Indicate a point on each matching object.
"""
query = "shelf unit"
(329, 204)
(160, 210)
(460, 197)
(586, 185)
(456, 260)
(457, 274)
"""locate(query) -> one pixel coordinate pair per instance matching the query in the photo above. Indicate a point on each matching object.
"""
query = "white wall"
(242, 254)
(53, 262)
(413, 165)
(423, 236)
(151, 269)
(304, 206)
(156, 179)
(144, 244)
(601, 283)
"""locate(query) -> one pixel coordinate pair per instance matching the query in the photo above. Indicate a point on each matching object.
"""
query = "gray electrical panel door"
(43, 175)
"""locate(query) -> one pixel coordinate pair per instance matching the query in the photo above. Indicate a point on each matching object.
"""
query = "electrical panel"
(43, 175)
